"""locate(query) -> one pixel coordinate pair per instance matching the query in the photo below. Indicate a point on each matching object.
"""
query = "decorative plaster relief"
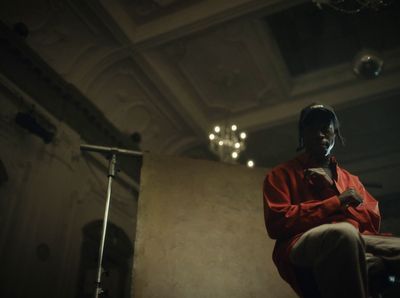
(135, 117)
(35, 14)
(144, 11)
(223, 69)
(118, 93)
(177, 50)
(59, 35)
(165, 3)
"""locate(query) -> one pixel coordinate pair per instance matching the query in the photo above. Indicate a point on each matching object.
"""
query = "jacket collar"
(306, 162)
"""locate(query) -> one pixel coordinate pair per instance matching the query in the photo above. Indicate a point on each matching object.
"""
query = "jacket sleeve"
(283, 217)
(366, 214)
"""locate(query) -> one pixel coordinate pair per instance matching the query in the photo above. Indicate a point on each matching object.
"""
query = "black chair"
(309, 289)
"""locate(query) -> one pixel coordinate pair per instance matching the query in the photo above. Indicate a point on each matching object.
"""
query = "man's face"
(319, 135)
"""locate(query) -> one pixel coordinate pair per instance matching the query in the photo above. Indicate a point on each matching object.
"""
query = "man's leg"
(336, 255)
(386, 248)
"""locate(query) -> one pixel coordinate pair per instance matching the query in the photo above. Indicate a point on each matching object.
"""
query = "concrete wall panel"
(200, 232)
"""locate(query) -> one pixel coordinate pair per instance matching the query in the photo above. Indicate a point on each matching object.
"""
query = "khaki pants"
(338, 254)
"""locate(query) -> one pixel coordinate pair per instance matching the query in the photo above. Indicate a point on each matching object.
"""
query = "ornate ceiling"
(170, 69)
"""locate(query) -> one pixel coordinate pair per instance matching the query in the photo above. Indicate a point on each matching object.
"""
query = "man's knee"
(325, 240)
(342, 234)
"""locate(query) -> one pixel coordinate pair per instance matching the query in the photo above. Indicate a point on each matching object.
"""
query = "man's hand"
(350, 197)
(312, 173)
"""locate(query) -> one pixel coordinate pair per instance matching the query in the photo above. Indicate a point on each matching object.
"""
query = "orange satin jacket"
(294, 204)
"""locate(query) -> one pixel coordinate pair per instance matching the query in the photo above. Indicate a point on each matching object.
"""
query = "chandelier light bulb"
(227, 142)
(250, 163)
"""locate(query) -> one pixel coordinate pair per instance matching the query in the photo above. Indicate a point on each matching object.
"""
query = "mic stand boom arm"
(113, 151)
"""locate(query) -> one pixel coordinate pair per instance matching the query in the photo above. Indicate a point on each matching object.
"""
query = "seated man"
(323, 219)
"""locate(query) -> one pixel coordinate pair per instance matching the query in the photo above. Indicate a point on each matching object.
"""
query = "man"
(324, 221)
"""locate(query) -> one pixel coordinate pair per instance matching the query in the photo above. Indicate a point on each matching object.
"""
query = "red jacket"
(294, 204)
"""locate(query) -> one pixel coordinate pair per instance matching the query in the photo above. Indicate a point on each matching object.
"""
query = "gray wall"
(52, 192)
(200, 232)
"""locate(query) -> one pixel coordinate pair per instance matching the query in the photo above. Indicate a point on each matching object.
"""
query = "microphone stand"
(112, 151)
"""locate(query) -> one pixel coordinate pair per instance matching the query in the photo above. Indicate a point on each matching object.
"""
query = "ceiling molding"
(178, 144)
(365, 90)
(199, 16)
(175, 90)
(26, 70)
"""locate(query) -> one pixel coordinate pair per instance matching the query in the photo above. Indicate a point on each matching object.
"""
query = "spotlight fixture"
(37, 125)
(368, 64)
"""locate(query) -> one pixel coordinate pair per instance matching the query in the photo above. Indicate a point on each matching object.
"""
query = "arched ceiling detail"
(184, 66)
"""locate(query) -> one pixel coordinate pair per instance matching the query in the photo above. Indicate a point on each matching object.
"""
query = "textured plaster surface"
(200, 232)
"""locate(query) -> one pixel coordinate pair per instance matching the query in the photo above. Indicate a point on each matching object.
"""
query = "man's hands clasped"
(350, 197)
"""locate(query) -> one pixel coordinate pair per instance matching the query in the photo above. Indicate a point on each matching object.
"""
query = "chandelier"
(352, 6)
(227, 143)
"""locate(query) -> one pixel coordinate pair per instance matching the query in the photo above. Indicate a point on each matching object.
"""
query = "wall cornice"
(24, 68)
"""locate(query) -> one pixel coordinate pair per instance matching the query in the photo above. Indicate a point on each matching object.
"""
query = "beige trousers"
(338, 254)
